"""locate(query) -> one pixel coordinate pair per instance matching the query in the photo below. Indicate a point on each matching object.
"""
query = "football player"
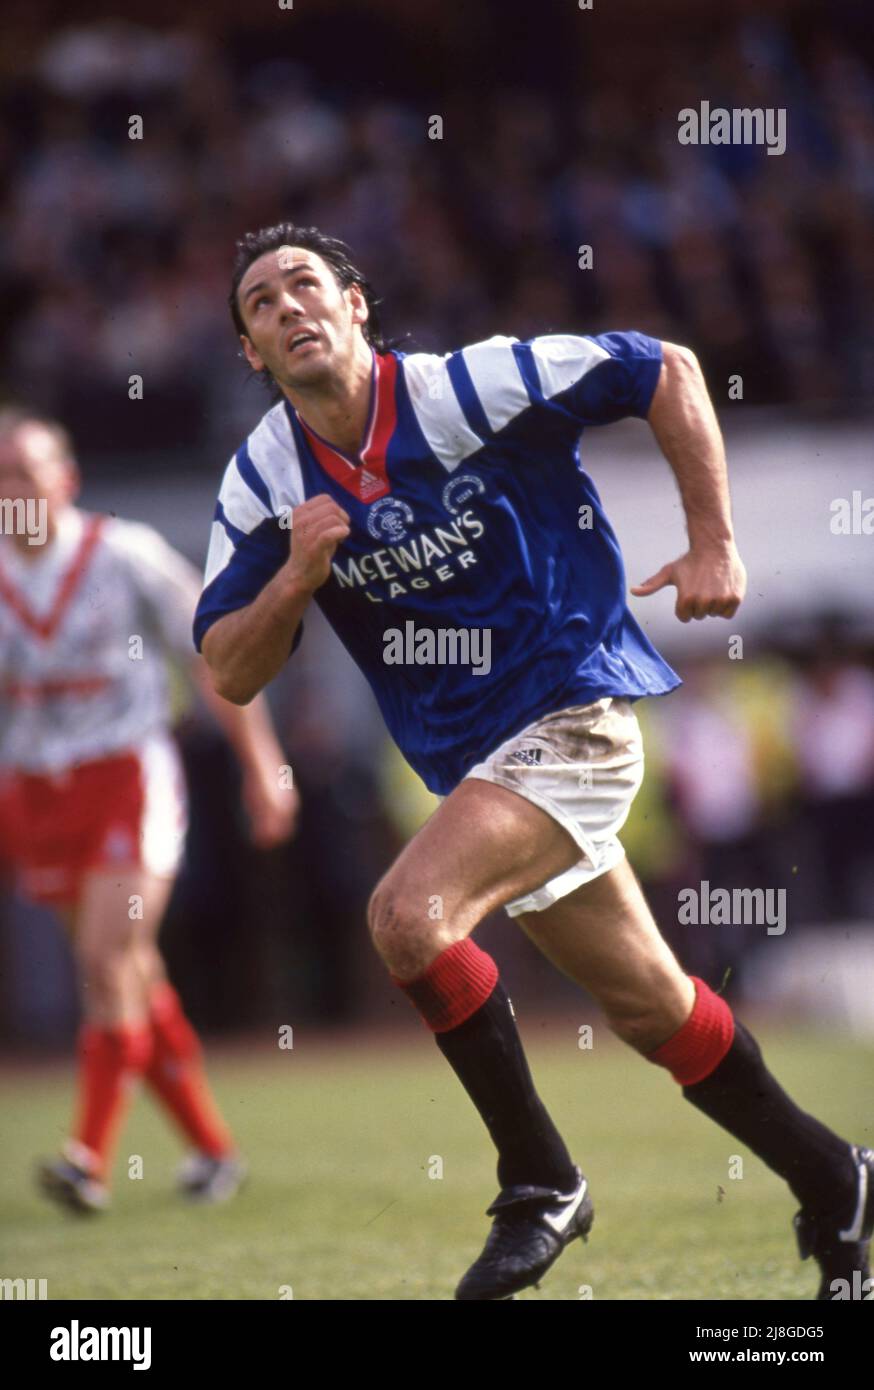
(92, 798)
(424, 501)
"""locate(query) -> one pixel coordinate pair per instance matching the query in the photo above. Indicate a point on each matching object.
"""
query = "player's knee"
(150, 964)
(388, 914)
(400, 928)
(104, 972)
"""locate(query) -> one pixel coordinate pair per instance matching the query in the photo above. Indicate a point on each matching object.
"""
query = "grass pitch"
(343, 1139)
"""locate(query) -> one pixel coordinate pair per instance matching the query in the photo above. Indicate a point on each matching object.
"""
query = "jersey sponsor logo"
(434, 554)
(31, 692)
(460, 490)
(389, 518)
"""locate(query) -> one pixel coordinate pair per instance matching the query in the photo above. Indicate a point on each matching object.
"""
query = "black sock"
(743, 1097)
(486, 1054)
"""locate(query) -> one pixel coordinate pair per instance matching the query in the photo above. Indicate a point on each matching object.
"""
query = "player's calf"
(644, 1021)
(720, 1067)
(544, 1198)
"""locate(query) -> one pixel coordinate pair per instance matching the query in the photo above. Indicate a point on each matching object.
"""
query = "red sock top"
(697, 1048)
(453, 987)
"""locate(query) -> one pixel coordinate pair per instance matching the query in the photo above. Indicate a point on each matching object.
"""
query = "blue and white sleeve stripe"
(595, 380)
(247, 545)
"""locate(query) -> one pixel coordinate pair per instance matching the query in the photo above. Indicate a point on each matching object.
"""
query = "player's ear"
(360, 308)
(255, 362)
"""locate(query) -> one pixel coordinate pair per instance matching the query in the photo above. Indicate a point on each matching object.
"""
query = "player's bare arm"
(710, 578)
(272, 808)
(247, 648)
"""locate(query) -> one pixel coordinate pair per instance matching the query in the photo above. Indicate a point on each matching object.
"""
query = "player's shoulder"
(122, 533)
(593, 347)
(502, 363)
(498, 341)
(273, 430)
(484, 369)
(264, 471)
(133, 540)
(498, 379)
(489, 357)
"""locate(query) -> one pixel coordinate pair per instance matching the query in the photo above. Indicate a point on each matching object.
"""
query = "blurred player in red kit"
(93, 806)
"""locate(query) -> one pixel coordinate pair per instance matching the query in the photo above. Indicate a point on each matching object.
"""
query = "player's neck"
(339, 412)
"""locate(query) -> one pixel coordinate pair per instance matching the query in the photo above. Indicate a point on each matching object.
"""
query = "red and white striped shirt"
(87, 622)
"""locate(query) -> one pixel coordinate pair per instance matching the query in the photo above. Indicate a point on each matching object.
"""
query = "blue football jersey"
(481, 585)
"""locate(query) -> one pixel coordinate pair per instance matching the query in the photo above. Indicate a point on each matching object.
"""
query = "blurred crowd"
(116, 251)
(760, 774)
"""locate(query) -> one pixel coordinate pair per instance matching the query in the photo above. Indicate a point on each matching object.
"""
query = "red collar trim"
(45, 628)
(368, 479)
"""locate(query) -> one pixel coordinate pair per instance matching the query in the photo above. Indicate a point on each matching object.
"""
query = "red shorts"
(125, 810)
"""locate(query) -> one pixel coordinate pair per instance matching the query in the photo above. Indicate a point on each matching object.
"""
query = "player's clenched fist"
(710, 583)
(317, 528)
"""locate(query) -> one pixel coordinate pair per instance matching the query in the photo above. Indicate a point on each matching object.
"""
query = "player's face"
(301, 325)
(31, 468)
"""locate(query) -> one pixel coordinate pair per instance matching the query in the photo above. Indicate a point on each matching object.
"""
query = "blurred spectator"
(117, 250)
(833, 725)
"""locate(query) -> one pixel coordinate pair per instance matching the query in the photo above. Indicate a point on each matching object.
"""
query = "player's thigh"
(482, 847)
(604, 936)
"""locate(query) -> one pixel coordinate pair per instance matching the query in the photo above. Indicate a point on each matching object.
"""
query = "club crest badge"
(460, 490)
(389, 519)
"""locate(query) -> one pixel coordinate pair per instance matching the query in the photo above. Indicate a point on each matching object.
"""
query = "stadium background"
(559, 130)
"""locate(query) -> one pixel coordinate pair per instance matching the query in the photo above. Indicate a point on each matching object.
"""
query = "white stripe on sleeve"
(440, 417)
(563, 359)
(497, 380)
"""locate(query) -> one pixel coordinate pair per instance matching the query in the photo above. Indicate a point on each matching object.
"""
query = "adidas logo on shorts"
(530, 756)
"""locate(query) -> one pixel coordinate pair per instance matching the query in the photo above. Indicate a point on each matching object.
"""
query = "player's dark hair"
(334, 252)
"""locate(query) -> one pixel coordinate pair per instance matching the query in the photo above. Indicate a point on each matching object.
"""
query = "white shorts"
(584, 767)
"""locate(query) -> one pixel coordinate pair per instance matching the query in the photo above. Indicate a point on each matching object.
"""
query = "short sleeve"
(248, 545)
(592, 380)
